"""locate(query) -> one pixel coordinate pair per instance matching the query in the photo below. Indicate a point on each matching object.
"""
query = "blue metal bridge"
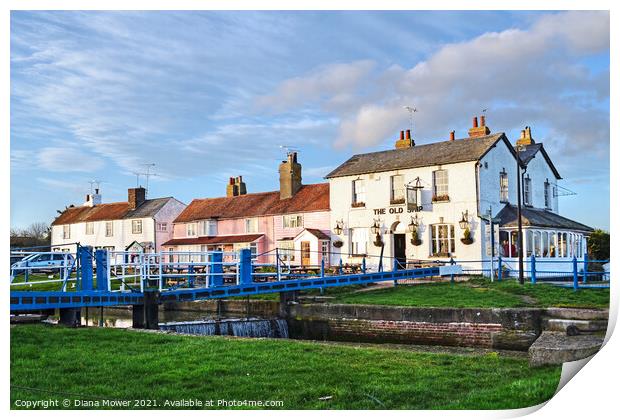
(102, 279)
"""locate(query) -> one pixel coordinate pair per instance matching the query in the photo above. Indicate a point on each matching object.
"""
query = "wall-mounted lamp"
(339, 227)
(376, 227)
(464, 222)
(413, 225)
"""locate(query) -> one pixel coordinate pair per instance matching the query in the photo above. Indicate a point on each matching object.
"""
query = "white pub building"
(429, 202)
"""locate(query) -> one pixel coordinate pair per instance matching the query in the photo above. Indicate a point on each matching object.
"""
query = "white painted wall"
(122, 234)
(462, 192)
(538, 169)
(167, 214)
(120, 239)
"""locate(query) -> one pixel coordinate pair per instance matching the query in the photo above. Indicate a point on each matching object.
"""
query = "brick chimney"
(135, 197)
(405, 140)
(479, 131)
(235, 187)
(290, 176)
(231, 188)
(526, 137)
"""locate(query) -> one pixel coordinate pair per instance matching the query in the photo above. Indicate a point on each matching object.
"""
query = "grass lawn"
(118, 364)
(480, 293)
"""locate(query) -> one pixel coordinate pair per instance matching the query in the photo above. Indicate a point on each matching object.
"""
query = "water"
(254, 327)
(122, 318)
(194, 323)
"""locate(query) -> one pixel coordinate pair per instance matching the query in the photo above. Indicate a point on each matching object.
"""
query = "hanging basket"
(337, 244)
(416, 242)
(467, 241)
(378, 243)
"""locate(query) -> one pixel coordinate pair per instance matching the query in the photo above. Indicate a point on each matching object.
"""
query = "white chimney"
(93, 199)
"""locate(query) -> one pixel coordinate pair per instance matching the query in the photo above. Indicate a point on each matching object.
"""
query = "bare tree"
(37, 230)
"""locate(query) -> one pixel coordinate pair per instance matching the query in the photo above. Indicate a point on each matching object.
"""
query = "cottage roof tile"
(440, 153)
(109, 211)
(313, 197)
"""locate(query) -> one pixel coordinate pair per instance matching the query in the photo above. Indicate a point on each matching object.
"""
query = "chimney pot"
(408, 134)
(452, 135)
(482, 120)
(402, 135)
(475, 122)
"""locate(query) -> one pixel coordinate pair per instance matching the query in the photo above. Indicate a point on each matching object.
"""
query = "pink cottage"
(294, 219)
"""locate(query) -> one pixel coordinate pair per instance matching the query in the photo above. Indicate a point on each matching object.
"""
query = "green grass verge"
(480, 293)
(118, 364)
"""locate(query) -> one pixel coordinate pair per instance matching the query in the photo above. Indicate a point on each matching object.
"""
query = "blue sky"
(208, 95)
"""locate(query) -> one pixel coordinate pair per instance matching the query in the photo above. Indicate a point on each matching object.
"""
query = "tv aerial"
(411, 110)
(289, 149)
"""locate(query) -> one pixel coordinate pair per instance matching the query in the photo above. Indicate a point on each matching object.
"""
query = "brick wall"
(512, 329)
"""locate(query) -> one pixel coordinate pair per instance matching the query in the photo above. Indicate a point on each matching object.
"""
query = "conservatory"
(549, 238)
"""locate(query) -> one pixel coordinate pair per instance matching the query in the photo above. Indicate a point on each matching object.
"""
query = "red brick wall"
(408, 332)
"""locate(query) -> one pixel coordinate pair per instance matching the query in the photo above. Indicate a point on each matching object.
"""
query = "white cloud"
(526, 76)
(337, 81)
(67, 159)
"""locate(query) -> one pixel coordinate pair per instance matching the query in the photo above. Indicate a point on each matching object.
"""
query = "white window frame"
(251, 225)
(527, 191)
(293, 221)
(109, 229)
(441, 185)
(325, 252)
(503, 187)
(191, 230)
(286, 250)
(358, 241)
(358, 196)
(438, 242)
(136, 227)
(208, 228)
(397, 189)
(90, 228)
(66, 231)
(162, 226)
(548, 204)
